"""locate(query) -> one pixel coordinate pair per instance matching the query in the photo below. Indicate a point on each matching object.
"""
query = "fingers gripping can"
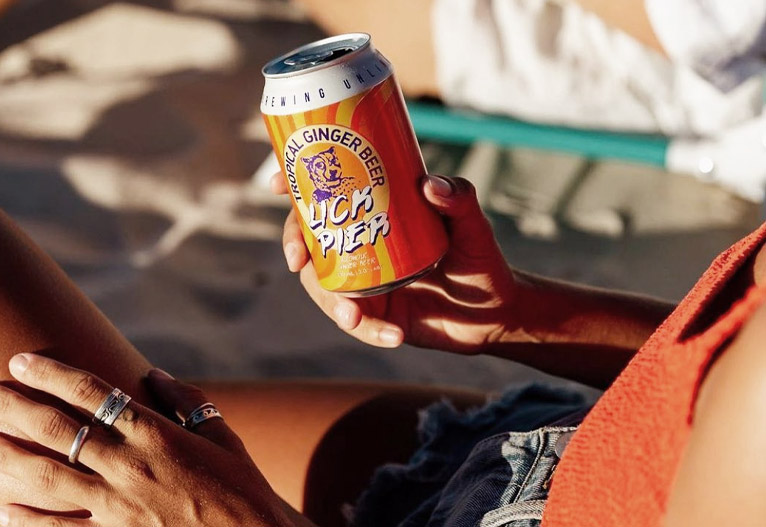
(341, 132)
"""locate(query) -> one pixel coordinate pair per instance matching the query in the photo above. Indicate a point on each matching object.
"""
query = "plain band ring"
(200, 414)
(79, 440)
(111, 408)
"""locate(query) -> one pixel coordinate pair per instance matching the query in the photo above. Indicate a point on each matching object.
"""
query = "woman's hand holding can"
(464, 305)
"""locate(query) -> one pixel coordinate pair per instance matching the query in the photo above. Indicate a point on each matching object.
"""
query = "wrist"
(518, 311)
(551, 311)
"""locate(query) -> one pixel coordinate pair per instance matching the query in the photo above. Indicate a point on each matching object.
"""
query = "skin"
(149, 471)
(720, 480)
(704, 494)
(474, 303)
(146, 471)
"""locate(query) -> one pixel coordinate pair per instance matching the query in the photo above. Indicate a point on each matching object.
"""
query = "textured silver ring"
(79, 440)
(111, 408)
(200, 414)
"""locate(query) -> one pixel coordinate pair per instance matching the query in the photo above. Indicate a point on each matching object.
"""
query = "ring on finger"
(79, 440)
(111, 408)
(200, 414)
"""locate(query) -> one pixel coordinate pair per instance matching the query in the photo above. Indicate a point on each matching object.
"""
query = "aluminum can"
(340, 130)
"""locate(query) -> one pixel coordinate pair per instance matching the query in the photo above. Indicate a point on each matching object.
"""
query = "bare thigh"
(318, 443)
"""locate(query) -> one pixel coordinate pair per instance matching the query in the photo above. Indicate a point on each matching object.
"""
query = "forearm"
(581, 333)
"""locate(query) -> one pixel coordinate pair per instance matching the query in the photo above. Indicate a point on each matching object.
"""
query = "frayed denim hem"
(408, 495)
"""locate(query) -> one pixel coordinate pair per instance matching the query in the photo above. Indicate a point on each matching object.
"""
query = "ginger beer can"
(341, 132)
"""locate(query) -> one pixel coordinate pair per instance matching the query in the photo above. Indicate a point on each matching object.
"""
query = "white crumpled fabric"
(555, 63)
(723, 40)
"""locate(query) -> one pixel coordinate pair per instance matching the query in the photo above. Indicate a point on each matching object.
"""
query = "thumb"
(181, 399)
(468, 228)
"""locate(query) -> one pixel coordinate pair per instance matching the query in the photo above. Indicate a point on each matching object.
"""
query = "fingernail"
(390, 336)
(162, 374)
(343, 313)
(4, 519)
(19, 363)
(291, 255)
(440, 186)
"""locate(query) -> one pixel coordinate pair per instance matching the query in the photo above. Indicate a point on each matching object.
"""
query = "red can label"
(354, 172)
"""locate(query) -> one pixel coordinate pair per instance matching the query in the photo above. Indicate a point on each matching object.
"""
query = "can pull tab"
(312, 59)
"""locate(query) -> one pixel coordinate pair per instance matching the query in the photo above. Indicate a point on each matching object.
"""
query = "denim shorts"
(489, 467)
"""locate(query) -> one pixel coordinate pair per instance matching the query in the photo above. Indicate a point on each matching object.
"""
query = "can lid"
(318, 54)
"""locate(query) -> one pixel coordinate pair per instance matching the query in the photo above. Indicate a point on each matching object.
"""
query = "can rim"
(366, 40)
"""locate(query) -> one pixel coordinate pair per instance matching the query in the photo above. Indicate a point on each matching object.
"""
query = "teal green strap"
(434, 122)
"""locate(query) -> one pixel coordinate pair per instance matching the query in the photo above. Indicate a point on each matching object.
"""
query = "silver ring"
(79, 439)
(202, 413)
(111, 408)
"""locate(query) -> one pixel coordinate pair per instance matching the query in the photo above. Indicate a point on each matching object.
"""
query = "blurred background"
(132, 150)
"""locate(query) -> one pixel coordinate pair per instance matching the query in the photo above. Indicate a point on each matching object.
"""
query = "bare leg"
(400, 29)
(316, 443)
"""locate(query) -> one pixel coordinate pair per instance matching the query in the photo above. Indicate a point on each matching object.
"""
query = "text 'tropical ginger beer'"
(341, 132)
